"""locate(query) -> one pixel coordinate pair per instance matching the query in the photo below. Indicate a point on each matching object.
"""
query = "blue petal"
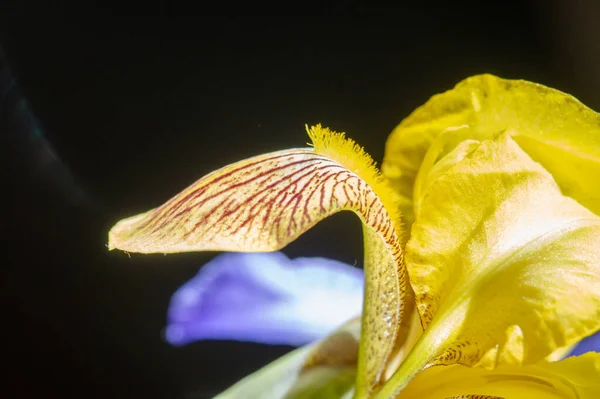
(265, 298)
(589, 344)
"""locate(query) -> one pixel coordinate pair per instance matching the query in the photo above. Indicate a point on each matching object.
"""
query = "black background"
(133, 109)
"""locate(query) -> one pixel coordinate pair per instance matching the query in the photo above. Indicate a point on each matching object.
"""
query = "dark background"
(131, 110)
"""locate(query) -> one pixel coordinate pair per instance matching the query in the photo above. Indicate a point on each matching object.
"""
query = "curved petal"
(263, 203)
(501, 262)
(572, 378)
(554, 129)
(434, 167)
(266, 298)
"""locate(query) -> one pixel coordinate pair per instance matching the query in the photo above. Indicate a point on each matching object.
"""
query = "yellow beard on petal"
(336, 146)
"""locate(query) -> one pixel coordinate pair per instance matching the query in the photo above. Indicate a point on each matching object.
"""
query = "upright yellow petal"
(552, 127)
(435, 165)
(500, 261)
(266, 202)
(572, 378)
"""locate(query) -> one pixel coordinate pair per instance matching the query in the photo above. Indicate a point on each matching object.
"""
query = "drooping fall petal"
(266, 298)
(325, 369)
(552, 127)
(573, 378)
(501, 263)
(263, 203)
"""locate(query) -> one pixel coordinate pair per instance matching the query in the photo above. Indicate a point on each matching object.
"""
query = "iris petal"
(265, 298)
(589, 344)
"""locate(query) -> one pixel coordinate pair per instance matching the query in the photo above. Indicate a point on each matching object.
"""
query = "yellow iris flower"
(482, 246)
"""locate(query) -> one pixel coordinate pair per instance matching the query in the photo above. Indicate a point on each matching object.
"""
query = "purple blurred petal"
(589, 344)
(266, 298)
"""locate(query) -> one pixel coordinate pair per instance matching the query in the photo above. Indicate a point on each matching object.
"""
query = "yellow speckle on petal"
(475, 101)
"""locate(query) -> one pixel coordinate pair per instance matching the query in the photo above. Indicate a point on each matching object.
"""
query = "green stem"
(436, 336)
(416, 360)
